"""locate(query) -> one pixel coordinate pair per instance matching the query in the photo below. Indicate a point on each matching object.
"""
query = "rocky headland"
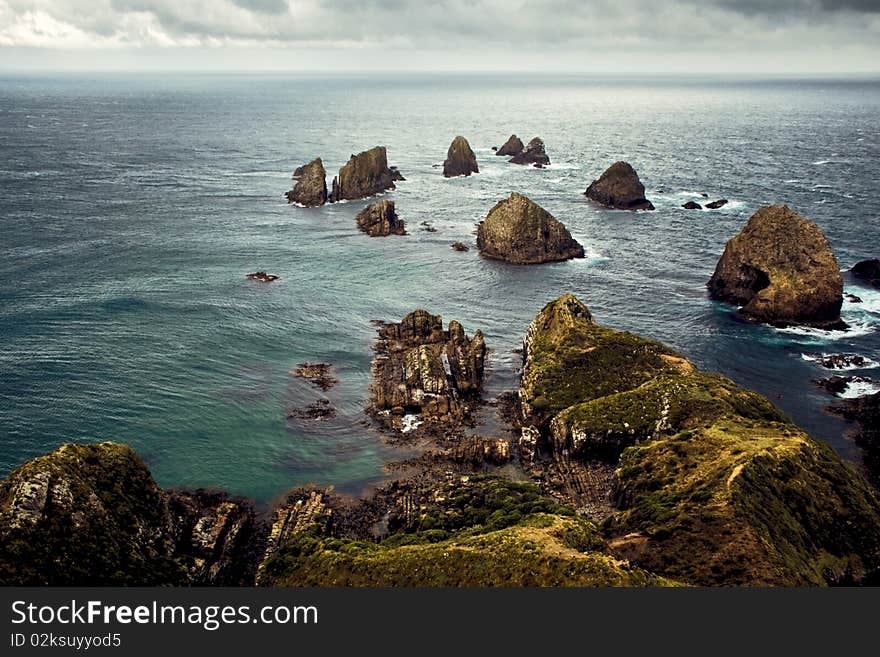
(699, 461)
(519, 231)
(780, 269)
(460, 159)
(93, 515)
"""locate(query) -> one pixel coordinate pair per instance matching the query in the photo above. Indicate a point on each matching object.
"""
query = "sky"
(601, 36)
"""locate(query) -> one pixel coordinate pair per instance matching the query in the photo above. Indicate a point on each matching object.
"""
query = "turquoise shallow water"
(132, 207)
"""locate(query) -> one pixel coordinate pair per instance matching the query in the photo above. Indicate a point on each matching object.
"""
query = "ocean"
(132, 206)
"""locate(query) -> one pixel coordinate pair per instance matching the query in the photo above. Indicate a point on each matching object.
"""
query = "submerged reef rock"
(262, 276)
(713, 484)
(460, 159)
(318, 374)
(867, 271)
(380, 219)
(533, 154)
(513, 146)
(460, 246)
(422, 369)
(365, 174)
(93, 515)
(620, 188)
(714, 205)
(781, 270)
(692, 205)
(519, 231)
(309, 185)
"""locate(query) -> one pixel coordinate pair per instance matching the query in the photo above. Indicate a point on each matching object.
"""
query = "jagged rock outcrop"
(619, 187)
(93, 515)
(303, 509)
(534, 153)
(365, 174)
(781, 270)
(867, 271)
(86, 515)
(720, 203)
(519, 231)
(309, 185)
(380, 219)
(422, 369)
(460, 159)
(513, 146)
(692, 205)
(218, 538)
(706, 461)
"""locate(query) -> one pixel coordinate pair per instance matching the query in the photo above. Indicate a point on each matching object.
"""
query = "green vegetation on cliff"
(719, 487)
(85, 514)
(483, 532)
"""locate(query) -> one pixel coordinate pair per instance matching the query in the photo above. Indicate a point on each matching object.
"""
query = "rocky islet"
(619, 187)
(519, 231)
(780, 270)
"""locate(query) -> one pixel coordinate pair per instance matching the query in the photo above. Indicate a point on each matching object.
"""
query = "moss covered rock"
(716, 485)
(86, 515)
(781, 270)
(519, 231)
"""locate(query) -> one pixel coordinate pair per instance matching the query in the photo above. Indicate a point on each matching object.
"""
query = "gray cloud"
(486, 33)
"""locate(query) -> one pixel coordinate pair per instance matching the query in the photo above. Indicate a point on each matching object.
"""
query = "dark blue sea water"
(132, 207)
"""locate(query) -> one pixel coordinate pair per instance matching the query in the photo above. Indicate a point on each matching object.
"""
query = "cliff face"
(93, 515)
(520, 231)
(781, 270)
(713, 485)
(86, 514)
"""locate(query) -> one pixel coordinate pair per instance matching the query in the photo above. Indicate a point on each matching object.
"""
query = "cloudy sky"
(785, 36)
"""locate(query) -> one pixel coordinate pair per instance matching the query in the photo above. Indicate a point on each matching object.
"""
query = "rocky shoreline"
(620, 442)
(615, 462)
